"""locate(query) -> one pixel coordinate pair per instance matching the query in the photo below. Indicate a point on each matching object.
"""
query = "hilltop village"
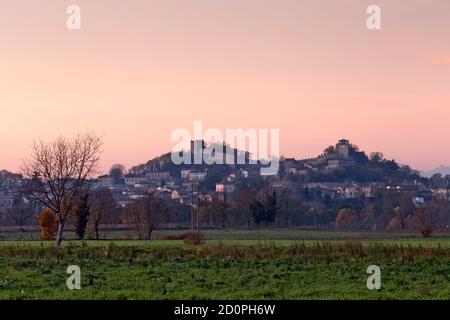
(374, 192)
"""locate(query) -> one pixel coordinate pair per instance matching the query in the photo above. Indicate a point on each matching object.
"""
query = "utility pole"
(426, 209)
(198, 209)
(192, 206)
(225, 205)
(313, 212)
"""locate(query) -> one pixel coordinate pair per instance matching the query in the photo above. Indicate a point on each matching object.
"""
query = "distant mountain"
(443, 170)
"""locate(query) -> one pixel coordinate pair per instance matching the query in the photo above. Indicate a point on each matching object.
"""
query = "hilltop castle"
(333, 158)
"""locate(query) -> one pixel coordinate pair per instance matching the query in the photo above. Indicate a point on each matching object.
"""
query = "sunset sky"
(139, 69)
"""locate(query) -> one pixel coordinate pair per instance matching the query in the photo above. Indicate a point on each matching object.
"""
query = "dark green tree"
(117, 172)
(271, 208)
(265, 213)
(258, 211)
(82, 216)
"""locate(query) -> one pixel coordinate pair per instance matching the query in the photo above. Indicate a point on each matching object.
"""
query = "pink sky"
(137, 70)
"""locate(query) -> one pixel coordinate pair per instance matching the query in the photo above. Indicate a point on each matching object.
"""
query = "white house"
(197, 176)
(131, 179)
(185, 174)
(352, 192)
(105, 181)
(157, 175)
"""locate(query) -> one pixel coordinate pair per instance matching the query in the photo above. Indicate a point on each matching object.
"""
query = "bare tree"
(57, 171)
(21, 214)
(241, 204)
(102, 207)
(145, 214)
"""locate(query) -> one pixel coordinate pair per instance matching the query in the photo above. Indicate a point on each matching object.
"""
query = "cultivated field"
(282, 264)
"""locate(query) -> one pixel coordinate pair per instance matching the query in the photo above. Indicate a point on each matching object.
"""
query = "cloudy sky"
(139, 69)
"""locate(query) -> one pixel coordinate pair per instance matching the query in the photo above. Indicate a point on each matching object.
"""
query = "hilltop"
(338, 163)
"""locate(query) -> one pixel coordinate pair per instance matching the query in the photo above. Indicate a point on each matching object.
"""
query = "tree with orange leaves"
(48, 224)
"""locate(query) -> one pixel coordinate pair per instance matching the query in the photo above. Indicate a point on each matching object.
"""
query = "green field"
(283, 264)
(253, 234)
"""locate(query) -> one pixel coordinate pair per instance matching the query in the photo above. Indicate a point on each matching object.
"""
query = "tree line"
(56, 178)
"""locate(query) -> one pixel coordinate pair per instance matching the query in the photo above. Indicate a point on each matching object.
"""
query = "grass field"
(252, 234)
(284, 264)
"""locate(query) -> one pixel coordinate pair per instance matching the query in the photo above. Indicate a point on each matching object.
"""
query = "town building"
(225, 187)
(157, 175)
(132, 179)
(105, 181)
(195, 176)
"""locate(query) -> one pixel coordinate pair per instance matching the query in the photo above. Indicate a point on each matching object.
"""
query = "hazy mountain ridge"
(443, 170)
